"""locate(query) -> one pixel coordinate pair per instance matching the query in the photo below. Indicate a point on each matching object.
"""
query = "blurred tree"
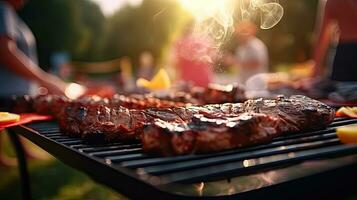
(91, 26)
(291, 39)
(64, 25)
(148, 27)
(79, 27)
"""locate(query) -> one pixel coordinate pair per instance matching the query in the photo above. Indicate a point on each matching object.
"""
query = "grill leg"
(25, 179)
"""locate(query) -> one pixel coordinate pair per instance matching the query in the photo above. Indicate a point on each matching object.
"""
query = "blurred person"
(18, 57)
(337, 21)
(125, 77)
(60, 65)
(146, 65)
(194, 57)
(18, 60)
(335, 66)
(251, 55)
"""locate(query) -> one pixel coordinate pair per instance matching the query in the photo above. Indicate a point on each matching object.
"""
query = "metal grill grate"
(154, 170)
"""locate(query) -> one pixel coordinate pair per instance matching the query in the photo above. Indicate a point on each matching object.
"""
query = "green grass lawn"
(51, 179)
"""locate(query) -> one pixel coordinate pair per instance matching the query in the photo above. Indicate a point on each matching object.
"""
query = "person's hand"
(307, 83)
(54, 85)
(75, 90)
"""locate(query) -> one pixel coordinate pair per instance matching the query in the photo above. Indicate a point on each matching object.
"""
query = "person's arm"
(323, 40)
(19, 63)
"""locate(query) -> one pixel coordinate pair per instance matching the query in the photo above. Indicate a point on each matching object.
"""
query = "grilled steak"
(213, 94)
(227, 126)
(203, 134)
(298, 112)
(173, 128)
(197, 129)
(182, 96)
(53, 104)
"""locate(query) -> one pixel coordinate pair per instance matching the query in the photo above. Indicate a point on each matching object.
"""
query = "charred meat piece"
(172, 128)
(143, 102)
(100, 122)
(49, 104)
(213, 94)
(219, 127)
(297, 113)
(204, 135)
(43, 104)
(23, 104)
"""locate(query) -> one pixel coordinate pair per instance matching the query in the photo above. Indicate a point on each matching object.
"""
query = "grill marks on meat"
(53, 104)
(99, 123)
(204, 134)
(298, 112)
(220, 127)
(197, 129)
(112, 123)
(168, 128)
(213, 94)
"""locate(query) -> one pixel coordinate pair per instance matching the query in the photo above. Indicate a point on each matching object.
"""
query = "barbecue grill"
(292, 166)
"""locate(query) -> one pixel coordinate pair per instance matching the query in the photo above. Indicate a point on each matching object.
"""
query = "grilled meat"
(197, 129)
(174, 128)
(52, 104)
(213, 94)
(219, 127)
(203, 134)
(298, 112)
(22, 104)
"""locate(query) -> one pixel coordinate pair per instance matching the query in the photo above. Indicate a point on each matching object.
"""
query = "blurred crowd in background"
(78, 43)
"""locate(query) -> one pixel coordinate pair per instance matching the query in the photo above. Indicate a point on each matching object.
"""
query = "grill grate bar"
(121, 158)
(86, 145)
(247, 165)
(331, 128)
(344, 121)
(54, 134)
(116, 152)
(108, 148)
(72, 142)
(58, 136)
(185, 165)
(166, 160)
(298, 135)
(286, 149)
(49, 132)
(68, 140)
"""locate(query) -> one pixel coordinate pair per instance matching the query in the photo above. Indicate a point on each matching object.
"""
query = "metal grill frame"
(131, 184)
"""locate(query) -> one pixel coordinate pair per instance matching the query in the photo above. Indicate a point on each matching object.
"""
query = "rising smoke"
(215, 18)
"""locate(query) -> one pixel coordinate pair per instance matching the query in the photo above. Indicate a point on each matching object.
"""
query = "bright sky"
(110, 6)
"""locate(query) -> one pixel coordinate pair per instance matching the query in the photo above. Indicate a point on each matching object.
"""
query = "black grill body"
(304, 165)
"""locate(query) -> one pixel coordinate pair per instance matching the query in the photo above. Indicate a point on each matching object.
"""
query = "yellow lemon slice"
(347, 111)
(354, 109)
(347, 134)
(7, 118)
(160, 81)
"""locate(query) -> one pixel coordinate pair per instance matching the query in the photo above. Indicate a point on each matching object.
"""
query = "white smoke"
(215, 17)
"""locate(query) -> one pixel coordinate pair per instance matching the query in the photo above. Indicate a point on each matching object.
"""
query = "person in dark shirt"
(341, 16)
